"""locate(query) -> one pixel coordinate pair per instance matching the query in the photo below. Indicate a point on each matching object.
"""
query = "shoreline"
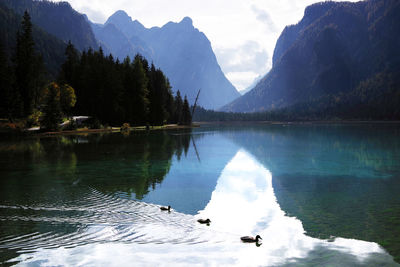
(115, 130)
(26, 132)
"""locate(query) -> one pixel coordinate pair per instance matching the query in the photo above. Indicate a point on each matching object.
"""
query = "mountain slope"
(335, 47)
(182, 52)
(58, 19)
(51, 48)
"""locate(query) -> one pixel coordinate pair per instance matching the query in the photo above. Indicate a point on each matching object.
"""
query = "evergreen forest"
(89, 83)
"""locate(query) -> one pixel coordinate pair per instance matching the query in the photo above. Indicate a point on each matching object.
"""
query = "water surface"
(317, 194)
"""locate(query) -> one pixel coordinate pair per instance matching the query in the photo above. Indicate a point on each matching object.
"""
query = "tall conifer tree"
(28, 68)
(178, 107)
(140, 101)
(68, 69)
(186, 118)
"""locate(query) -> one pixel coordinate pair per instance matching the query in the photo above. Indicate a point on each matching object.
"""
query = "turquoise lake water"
(317, 195)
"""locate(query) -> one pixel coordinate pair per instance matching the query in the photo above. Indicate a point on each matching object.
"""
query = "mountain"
(252, 85)
(58, 19)
(336, 55)
(180, 50)
(115, 41)
(51, 48)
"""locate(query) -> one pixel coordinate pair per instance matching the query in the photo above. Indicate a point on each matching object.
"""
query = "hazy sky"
(242, 33)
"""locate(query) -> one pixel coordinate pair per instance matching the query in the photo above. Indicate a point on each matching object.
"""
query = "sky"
(242, 33)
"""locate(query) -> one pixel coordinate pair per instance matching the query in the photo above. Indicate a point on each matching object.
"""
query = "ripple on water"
(98, 218)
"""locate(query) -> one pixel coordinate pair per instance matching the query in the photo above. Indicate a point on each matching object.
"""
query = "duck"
(250, 239)
(165, 208)
(202, 221)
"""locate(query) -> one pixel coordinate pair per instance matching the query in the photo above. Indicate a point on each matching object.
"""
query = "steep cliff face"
(335, 47)
(182, 52)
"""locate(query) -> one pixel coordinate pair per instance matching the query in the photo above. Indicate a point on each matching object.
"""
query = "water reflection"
(43, 180)
(242, 203)
(341, 180)
(133, 165)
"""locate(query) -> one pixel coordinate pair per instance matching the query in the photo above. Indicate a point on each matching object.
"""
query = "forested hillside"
(58, 19)
(332, 64)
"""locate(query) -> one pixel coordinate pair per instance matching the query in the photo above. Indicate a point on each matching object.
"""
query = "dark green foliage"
(52, 109)
(115, 93)
(23, 82)
(186, 118)
(202, 114)
(138, 92)
(178, 107)
(57, 101)
(160, 97)
(69, 67)
(67, 98)
(376, 98)
(29, 70)
(169, 104)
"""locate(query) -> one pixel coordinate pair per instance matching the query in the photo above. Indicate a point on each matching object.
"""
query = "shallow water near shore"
(317, 195)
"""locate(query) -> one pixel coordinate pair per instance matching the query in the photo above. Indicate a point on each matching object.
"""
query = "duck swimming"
(250, 239)
(165, 208)
(202, 221)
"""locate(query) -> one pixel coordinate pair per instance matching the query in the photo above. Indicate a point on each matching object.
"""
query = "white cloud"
(231, 25)
(265, 18)
(250, 56)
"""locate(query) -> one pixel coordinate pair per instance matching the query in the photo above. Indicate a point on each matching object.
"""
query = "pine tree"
(169, 103)
(127, 92)
(186, 118)
(178, 107)
(158, 94)
(29, 68)
(69, 68)
(140, 92)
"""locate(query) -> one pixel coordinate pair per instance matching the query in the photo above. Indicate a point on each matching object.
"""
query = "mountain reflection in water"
(129, 232)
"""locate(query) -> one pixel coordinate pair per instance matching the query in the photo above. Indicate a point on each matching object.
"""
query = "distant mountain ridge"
(182, 52)
(329, 56)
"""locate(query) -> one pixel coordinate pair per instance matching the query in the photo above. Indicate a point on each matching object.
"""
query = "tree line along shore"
(112, 93)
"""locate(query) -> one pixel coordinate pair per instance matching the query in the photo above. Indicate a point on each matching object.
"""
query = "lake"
(317, 194)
